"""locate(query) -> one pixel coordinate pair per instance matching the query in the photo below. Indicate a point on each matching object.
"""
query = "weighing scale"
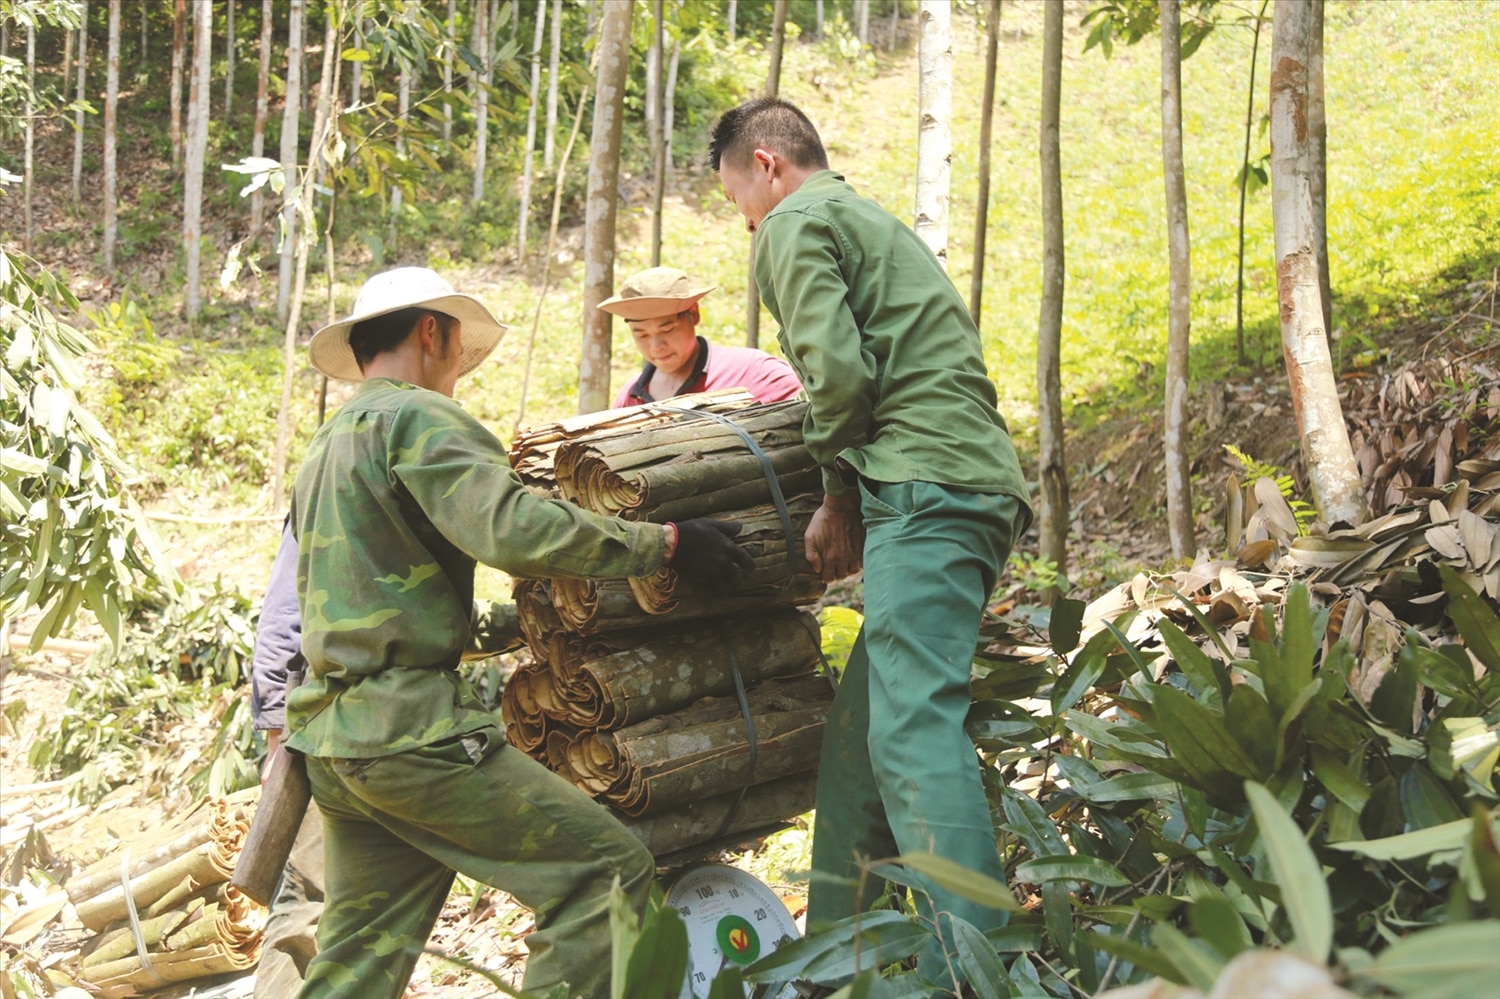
(732, 918)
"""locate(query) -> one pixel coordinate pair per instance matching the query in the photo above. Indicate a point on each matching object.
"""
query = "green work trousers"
(291, 939)
(396, 828)
(898, 773)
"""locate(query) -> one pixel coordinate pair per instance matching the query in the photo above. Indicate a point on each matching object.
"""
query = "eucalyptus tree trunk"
(262, 108)
(895, 28)
(778, 46)
(862, 21)
(549, 139)
(356, 68)
(818, 19)
(290, 120)
(83, 64)
(654, 124)
(144, 52)
(199, 99)
(599, 214)
(482, 98)
(773, 89)
(669, 109)
(230, 64)
(1317, 137)
(403, 105)
(731, 17)
(935, 126)
(448, 57)
(30, 140)
(174, 99)
(1179, 292)
(111, 116)
(528, 152)
(1239, 283)
(1052, 512)
(1336, 485)
(986, 134)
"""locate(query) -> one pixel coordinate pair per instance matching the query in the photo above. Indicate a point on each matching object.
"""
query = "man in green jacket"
(400, 494)
(922, 487)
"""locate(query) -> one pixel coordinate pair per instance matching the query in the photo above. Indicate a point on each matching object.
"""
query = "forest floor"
(1399, 400)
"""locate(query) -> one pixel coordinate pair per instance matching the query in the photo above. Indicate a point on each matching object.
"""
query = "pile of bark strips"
(696, 717)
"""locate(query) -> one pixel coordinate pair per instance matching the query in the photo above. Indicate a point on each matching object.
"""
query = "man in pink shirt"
(661, 307)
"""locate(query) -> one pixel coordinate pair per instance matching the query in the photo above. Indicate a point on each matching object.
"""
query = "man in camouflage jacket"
(400, 494)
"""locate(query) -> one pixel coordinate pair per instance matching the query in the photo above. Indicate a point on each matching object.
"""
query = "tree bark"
(778, 46)
(895, 28)
(262, 108)
(403, 106)
(1331, 468)
(862, 21)
(818, 19)
(448, 59)
(731, 17)
(1317, 135)
(290, 118)
(549, 139)
(986, 134)
(1179, 293)
(531, 109)
(231, 62)
(111, 116)
(83, 64)
(356, 69)
(599, 217)
(935, 125)
(1239, 284)
(655, 118)
(174, 99)
(30, 136)
(773, 89)
(482, 98)
(199, 99)
(1052, 513)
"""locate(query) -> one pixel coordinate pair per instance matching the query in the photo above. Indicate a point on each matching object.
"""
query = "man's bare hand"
(273, 746)
(835, 539)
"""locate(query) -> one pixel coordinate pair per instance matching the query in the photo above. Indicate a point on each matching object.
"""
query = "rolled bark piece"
(209, 860)
(705, 749)
(521, 705)
(702, 820)
(681, 667)
(534, 448)
(693, 468)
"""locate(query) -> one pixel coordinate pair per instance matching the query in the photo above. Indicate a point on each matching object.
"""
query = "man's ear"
(429, 334)
(766, 160)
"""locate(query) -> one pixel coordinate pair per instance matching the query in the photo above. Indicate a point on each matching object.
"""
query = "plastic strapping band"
(739, 691)
(769, 471)
(135, 919)
(817, 638)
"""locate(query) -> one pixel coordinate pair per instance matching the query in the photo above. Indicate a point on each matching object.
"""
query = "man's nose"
(749, 226)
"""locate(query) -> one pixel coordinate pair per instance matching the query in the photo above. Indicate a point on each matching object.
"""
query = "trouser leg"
(291, 931)
(509, 822)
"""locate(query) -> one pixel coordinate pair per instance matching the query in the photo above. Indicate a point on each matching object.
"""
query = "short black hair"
(767, 122)
(371, 337)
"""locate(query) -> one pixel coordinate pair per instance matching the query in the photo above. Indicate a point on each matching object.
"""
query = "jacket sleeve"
(798, 267)
(278, 639)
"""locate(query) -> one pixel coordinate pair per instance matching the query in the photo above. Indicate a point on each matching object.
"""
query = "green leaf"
(1484, 858)
(1002, 722)
(1015, 938)
(729, 983)
(978, 961)
(659, 961)
(1195, 664)
(1198, 965)
(1456, 960)
(624, 931)
(1217, 921)
(1425, 801)
(1057, 914)
(1248, 718)
(1199, 741)
(1342, 782)
(1071, 867)
(1475, 621)
(1409, 846)
(1026, 819)
(1148, 959)
(1304, 890)
(860, 942)
(955, 877)
(1066, 625)
(1130, 787)
(1464, 745)
(1080, 675)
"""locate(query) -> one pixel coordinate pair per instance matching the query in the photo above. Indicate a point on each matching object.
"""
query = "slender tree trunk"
(862, 21)
(778, 46)
(199, 99)
(448, 59)
(111, 116)
(818, 19)
(356, 69)
(1336, 485)
(549, 138)
(655, 118)
(144, 54)
(1239, 283)
(986, 134)
(83, 66)
(403, 106)
(1053, 513)
(290, 122)
(599, 217)
(531, 109)
(731, 17)
(262, 108)
(179, 56)
(935, 125)
(669, 107)
(1317, 136)
(67, 63)
(773, 89)
(1180, 289)
(231, 62)
(482, 98)
(895, 28)
(30, 140)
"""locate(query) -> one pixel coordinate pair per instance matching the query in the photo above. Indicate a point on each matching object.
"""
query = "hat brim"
(652, 307)
(331, 354)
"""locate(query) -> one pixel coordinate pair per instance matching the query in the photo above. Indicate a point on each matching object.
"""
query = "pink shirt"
(767, 378)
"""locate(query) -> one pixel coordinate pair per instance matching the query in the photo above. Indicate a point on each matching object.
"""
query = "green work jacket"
(883, 344)
(399, 495)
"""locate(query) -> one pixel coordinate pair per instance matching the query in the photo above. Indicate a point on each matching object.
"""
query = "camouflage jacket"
(399, 495)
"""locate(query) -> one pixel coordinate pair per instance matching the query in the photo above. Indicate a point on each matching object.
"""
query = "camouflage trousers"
(898, 772)
(396, 828)
(291, 931)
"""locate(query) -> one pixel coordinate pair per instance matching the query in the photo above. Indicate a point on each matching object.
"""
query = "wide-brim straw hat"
(659, 291)
(406, 288)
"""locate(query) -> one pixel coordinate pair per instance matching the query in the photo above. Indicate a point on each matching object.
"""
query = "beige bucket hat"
(659, 291)
(406, 288)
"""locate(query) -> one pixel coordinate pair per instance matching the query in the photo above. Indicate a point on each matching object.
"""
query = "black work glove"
(707, 558)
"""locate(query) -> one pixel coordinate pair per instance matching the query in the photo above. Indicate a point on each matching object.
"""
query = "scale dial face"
(732, 919)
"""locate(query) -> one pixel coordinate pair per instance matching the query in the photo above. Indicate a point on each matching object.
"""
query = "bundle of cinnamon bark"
(694, 716)
(161, 907)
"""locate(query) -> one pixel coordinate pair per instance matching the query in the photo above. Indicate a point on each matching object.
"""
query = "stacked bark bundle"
(188, 919)
(634, 693)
